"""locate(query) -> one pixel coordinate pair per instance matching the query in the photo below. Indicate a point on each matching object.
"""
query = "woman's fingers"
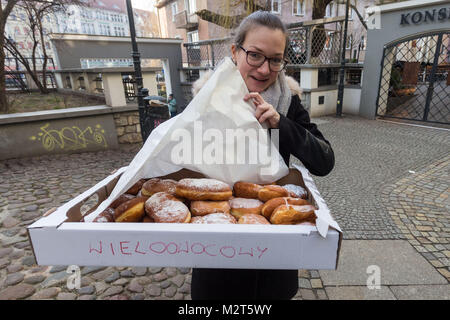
(260, 109)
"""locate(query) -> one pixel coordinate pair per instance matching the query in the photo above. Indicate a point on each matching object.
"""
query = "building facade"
(99, 17)
(177, 19)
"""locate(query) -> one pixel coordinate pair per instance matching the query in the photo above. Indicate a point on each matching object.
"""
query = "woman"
(259, 51)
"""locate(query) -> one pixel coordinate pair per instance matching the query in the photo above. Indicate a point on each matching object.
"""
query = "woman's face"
(266, 41)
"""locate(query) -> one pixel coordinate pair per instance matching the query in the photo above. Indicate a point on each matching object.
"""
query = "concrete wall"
(392, 30)
(67, 131)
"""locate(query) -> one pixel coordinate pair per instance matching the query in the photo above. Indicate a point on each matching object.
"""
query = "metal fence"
(207, 53)
(313, 43)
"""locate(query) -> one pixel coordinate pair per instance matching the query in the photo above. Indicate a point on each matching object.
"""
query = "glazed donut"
(272, 191)
(270, 205)
(203, 189)
(105, 216)
(201, 208)
(130, 211)
(241, 206)
(296, 191)
(136, 187)
(154, 185)
(166, 208)
(121, 199)
(216, 218)
(251, 218)
(292, 214)
(246, 190)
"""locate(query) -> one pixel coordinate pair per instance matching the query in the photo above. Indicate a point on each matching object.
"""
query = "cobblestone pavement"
(390, 182)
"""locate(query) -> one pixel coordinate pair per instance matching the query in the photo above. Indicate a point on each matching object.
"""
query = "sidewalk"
(389, 192)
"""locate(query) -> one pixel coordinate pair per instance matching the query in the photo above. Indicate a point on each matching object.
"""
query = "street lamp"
(342, 70)
(138, 75)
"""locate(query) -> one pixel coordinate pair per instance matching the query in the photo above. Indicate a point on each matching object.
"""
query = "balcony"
(185, 20)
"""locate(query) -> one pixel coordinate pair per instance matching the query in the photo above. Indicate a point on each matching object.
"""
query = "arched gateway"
(407, 67)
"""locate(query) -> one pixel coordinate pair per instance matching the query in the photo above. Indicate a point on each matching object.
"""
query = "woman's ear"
(233, 53)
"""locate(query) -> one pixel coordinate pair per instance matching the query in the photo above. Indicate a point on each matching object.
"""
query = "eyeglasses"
(256, 59)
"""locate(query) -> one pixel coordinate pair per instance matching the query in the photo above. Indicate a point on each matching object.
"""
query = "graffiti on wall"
(70, 138)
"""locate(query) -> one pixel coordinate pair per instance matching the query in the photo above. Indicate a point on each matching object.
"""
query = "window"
(174, 10)
(191, 6)
(276, 6)
(298, 8)
(329, 11)
(363, 43)
(349, 43)
(192, 36)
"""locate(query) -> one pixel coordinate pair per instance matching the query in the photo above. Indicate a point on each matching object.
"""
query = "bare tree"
(5, 10)
(34, 13)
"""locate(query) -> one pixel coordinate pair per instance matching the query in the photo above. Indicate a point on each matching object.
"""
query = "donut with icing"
(251, 218)
(270, 205)
(241, 206)
(272, 191)
(163, 207)
(216, 218)
(296, 191)
(203, 189)
(155, 185)
(130, 211)
(249, 190)
(201, 208)
(292, 214)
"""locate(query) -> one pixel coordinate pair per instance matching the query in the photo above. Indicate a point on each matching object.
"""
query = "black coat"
(302, 139)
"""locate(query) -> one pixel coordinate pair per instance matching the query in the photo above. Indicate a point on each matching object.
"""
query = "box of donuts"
(186, 220)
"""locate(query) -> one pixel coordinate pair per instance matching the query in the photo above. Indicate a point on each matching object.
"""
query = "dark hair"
(260, 18)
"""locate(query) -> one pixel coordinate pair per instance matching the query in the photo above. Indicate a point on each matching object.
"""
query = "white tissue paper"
(217, 135)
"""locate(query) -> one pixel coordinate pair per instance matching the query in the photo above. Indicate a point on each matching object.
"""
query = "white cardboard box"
(61, 239)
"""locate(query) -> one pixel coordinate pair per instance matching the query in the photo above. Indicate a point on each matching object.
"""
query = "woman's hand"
(264, 111)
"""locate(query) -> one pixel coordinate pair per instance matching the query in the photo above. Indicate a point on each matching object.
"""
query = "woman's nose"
(264, 68)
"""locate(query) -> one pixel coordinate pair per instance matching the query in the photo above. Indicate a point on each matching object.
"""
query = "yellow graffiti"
(70, 138)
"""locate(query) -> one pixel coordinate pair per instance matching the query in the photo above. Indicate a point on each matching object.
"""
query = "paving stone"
(10, 222)
(170, 291)
(359, 293)
(5, 252)
(19, 291)
(66, 296)
(47, 293)
(178, 280)
(153, 290)
(134, 286)
(56, 269)
(86, 290)
(34, 279)
(139, 271)
(307, 294)
(356, 256)
(423, 292)
(113, 277)
(14, 278)
(88, 297)
(112, 291)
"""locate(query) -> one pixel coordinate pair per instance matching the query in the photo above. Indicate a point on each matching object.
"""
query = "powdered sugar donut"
(203, 189)
(155, 185)
(251, 218)
(216, 218)
(166, 208)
